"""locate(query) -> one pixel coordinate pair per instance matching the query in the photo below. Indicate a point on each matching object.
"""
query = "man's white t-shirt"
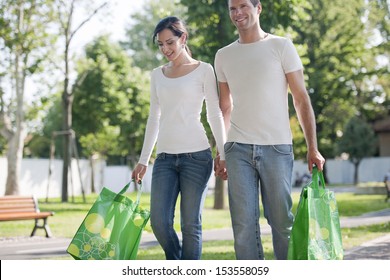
(175, 112)
(256, 76)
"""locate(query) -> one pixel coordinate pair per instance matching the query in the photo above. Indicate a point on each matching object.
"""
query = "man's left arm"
(306, 117)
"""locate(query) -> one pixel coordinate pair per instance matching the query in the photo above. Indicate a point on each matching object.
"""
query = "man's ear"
(259, 9)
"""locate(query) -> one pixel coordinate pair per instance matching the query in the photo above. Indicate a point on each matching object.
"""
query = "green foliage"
(23, 28)
(278, 15)
(3, 146)
(210, 27)
(25, 44)
(103, 143)
(340, 66)
(343, 44)
(38, 144)
(139, 35)
(333, 39)
(111, 94)
(378, 23)
(358, 140)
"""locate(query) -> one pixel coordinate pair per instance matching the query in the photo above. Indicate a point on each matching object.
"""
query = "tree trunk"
(65, 169)
(66, 112)
(67, 94)
(356, 173)
(14, 159)
(67, 125)
(16, 137)
(92, 165)
(219, 196)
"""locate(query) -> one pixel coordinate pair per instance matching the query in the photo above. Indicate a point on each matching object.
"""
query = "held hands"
(139, 172)
(220, 168)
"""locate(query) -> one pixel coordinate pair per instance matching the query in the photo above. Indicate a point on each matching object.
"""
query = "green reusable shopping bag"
(112, 228)
(316, 233)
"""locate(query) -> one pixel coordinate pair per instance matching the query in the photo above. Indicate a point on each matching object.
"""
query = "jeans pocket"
(202, 157)
(229, 146)
(160, 156)
(284, 149)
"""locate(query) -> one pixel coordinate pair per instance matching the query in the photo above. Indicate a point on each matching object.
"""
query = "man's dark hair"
(254, 2)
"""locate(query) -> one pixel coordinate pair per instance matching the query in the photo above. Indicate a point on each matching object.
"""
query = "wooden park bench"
(14, 208)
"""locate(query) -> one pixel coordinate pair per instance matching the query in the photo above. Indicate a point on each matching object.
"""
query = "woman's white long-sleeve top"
(175, 113)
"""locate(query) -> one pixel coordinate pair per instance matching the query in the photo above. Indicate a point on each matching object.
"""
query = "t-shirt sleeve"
(218, 68)
(291, 61)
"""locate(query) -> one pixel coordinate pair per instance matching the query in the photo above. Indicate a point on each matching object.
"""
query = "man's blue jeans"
(188, 175)
(255, 170)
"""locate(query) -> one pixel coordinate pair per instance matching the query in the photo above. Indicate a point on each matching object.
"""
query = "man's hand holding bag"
(316, 233)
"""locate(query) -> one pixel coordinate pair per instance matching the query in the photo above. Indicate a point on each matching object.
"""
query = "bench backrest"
(14, 204)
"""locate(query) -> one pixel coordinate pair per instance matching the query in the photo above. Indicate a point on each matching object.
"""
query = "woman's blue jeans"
(187, 174)
(255, 170)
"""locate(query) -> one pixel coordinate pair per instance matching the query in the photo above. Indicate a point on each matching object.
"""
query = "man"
(387, 184)
(254, 74)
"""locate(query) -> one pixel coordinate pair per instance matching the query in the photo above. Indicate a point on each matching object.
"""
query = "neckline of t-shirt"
(260, 41)
(189, 73)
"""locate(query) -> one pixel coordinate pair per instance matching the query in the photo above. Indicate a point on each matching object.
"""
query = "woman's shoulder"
(156, 71)
(158, 68)
(205, 65)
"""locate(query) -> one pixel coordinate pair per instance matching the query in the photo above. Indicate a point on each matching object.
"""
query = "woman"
(184, 162)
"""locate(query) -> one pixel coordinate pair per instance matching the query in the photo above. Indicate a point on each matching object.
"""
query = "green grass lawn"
(68, 216)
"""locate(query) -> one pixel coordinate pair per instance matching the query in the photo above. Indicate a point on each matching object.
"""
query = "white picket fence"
(34, 177)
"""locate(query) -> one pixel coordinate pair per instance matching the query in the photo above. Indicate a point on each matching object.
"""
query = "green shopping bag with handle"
(112, 228)
(316, 233)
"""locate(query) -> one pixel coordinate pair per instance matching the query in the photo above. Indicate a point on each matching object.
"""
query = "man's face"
(243, 14)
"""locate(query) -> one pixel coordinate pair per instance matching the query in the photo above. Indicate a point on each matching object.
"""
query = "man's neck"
(251, 35)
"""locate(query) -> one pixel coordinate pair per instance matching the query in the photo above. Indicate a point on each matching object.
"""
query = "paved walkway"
(27, 248)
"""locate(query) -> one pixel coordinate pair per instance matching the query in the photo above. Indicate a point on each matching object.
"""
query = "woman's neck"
(183, 59)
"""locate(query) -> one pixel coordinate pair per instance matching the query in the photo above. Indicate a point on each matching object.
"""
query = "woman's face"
(169, 44)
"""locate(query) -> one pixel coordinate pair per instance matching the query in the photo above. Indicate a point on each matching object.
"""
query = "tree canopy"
(111, 93)
(344, 47)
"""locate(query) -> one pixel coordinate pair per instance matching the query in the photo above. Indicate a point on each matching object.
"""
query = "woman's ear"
(183, 38)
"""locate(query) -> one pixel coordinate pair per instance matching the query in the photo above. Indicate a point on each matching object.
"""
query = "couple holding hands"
(247, 109)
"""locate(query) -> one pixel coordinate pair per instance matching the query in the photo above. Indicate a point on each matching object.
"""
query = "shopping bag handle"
(125, 188)
(318, 176)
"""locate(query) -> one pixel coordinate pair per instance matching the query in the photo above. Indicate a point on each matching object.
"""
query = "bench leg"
(47, 230)
(45, 226)
(34, 229)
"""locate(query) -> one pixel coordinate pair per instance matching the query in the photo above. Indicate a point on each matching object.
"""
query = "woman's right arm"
(151, 132)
